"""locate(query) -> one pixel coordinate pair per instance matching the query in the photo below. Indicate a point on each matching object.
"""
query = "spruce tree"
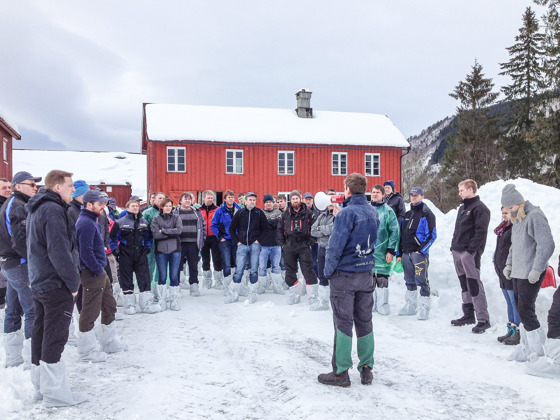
(525, 69)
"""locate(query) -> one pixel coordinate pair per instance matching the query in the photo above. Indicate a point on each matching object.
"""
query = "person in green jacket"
(386, 247)
(149, 215)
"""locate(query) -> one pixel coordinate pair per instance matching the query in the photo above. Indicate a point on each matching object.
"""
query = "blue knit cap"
(391, 183)
(81, 188)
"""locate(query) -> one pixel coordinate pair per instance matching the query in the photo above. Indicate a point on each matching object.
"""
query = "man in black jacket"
(13, 261)
(394, 200)
(294, 236)
(54, 277)
(248, 227)
(5, 192)
(467, 246)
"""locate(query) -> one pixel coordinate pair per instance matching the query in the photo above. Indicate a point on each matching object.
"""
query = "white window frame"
(373, 172)
(175, 164)
(339, 160)
(234, 170)
(286, 167)
(5, 149)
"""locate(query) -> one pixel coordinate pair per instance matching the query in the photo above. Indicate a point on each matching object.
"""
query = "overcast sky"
(74, 74)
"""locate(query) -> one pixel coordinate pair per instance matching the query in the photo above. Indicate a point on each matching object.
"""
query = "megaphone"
(322, 200)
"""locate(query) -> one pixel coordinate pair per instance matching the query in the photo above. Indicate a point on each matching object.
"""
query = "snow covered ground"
(261, 361)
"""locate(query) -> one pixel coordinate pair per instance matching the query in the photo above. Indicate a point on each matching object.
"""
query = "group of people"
(67, 246)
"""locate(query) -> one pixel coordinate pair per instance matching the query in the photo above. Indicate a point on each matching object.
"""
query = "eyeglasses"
(32, 185)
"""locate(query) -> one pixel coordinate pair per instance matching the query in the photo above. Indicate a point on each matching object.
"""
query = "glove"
(534, 276)
(507, 272)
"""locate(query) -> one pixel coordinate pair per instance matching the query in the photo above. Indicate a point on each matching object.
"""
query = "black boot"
(468, 318)
(509, 331)
(514, 339)
(481, 327)
(332, 379)
(366, 375)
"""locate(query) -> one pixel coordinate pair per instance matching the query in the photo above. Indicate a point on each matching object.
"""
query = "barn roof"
(166, 122)
(9, 125)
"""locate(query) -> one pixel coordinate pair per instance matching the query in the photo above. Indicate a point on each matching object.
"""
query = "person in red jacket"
(211, 244)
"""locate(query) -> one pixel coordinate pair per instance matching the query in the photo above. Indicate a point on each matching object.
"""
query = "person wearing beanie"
(81, 187)
(270, 251)
(394, 199)
(531, 247)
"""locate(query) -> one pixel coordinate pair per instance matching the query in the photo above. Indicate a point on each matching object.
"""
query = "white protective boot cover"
(312, 291)
(253, 291)
(147, 304)
(55, 387)
(382, 298)
(207, 279)
(35, 380)
(118, 294)
(535, 341)
(244, 285)
(294, 293)
(423, 308)
(261, 284)
(278, 284)
(323, 297)
(374, 308)
(547, 366)
(13, 343)
(110, 342)
(26, 354)
(193, 289)
(183, 282)
(72, 339)
(227, 282)
(175, 298)
(409, 307)
(88, 349)
(233, 293)
(520, 354)
(218, 280)
(130, 303)
(162, 293)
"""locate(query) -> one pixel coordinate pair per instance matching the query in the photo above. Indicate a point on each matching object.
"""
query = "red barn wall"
(5, 168)
(206, 168)
(121, 193)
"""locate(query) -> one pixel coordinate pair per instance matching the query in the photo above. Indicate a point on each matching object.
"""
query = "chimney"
(304, 109)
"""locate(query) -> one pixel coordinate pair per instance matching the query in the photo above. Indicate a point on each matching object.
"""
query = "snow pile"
(115, 168)
(261, 361)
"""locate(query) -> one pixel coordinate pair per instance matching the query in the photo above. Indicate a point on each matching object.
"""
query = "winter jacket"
(104, 223)
(208, 214)
(74, 209)
(149, 214)
(112, 213)
(322, 228)
(295, 226)
(132, 236)
(352, 244)
(221, 221)
(166, 230)
(200, 226)
(52, 253)
(418, 230)
(273, 217)
(503, 243)
(13, 246)
(90, 243)
(532, 244)
(471, 226)
(248, 226)
(388, 235)
(396, 202)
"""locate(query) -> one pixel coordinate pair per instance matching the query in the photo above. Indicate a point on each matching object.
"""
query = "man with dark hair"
(349, 262)
(394, 199)
(5, 192)
(54, 278)
(241, 200)
(467, 246)
(281, 203)
(13, 261)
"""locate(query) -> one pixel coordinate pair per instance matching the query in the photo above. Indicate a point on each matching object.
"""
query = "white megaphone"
(322, 200)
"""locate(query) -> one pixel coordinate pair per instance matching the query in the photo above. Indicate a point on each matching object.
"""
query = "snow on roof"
(166, 122)
(13, 126)
(113, 168)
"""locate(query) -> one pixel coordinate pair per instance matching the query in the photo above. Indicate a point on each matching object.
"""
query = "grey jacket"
(322, 228)
(532, 244)
(166, 229)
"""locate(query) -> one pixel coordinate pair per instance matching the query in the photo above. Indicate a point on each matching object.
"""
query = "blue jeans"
(19, 300)
(513, 315)
(247, 254)
(272, 252)
(228, 250)
(173, 261)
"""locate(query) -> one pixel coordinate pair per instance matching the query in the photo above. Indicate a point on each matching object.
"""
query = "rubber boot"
(383, 300)
(409, 307)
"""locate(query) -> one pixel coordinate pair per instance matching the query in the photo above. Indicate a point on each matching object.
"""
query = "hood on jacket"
(42, 196)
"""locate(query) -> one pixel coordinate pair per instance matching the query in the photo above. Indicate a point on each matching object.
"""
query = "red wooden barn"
(120, 192)
(8, 131)
(267, 151)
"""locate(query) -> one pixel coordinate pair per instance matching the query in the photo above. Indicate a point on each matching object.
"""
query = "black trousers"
(129, 264)
(321, 266)
(554, 316)
(53, 313)
(294, 252)
(525, 295)
(211, 244)
(189, 254)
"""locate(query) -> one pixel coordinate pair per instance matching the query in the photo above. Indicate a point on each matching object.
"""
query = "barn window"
(234, 161)
(5, 150)
(176, 159)
(372, 164)
(339, 166)
(285, 163)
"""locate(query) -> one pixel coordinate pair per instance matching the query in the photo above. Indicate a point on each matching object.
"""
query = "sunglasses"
(31, 184)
